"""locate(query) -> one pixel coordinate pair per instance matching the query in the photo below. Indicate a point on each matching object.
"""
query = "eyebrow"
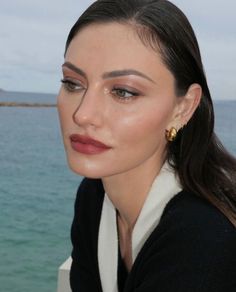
(126, 72)
(108, 75)
(75, 69)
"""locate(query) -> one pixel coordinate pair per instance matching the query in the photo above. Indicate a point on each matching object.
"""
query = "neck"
(128, 192)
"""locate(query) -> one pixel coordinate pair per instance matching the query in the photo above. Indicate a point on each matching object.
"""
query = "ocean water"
(12, 96)
(36, 198)
(37, 191)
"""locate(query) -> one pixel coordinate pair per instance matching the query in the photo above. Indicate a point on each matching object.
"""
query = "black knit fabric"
(193, 248)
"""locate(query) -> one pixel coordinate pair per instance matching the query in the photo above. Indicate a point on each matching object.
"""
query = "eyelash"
(70, 85)
(117, 92)
(131, 94)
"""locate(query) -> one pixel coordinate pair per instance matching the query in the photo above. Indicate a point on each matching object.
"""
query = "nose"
(89, 111)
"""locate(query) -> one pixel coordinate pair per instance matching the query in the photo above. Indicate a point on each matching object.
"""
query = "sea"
(37, 190)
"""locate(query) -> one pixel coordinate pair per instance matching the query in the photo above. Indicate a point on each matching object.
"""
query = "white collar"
(164, 188)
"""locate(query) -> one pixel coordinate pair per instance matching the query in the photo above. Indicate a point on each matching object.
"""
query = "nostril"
(80, 117)
(86, 115)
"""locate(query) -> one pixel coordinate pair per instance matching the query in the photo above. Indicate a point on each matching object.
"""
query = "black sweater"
(193, 248)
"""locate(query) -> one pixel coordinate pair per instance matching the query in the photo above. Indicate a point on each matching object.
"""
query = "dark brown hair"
(203, 165)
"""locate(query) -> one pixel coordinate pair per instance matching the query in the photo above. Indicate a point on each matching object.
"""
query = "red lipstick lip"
(87, 145)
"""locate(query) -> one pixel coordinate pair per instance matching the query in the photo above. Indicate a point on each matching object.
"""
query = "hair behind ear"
(203, 165)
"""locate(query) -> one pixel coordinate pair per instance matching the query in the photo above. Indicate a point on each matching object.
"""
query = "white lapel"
(164, 187)
(108, 247)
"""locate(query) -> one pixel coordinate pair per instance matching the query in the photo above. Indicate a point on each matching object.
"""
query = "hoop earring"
(171, 134)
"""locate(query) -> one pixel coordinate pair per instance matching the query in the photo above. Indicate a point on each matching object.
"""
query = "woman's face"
(116, 101)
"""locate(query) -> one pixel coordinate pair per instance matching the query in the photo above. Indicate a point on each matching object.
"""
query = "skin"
(98, 103)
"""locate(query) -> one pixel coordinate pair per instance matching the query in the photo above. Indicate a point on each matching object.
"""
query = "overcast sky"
(33, 34)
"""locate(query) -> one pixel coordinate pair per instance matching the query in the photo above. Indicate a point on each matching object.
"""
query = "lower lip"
(87, 148)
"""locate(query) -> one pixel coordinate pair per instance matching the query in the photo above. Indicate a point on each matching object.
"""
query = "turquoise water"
(37, 193)
(26, 97)
(36, 199)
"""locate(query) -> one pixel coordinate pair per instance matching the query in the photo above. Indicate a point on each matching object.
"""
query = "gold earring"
(171, 134)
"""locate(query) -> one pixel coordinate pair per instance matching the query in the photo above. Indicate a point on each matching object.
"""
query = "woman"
(157, 209)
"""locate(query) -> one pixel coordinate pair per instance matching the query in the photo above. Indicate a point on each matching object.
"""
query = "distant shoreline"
(25, 104)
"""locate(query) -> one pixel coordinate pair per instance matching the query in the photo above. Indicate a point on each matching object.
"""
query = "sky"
(33, 35)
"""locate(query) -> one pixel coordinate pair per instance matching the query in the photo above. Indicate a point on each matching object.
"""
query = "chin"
(87, 170)
(84, 173)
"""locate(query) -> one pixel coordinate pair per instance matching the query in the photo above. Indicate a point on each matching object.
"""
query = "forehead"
(113, 46)
(107, 40)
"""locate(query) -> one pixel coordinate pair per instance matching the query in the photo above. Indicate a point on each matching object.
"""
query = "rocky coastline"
(25, 104)
(13, 103)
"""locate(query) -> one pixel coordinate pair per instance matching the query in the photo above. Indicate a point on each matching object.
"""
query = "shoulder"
(90, 194)
(87, 208)
(84, 233)
(187, 212)
(85, 225)
(196, 224)
(191, 249)
(90, 186)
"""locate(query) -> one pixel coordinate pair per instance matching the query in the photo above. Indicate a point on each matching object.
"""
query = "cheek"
(143, 127)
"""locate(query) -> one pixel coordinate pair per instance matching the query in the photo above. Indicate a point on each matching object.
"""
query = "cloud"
(212, 16)
(33, 35)
(214, 23)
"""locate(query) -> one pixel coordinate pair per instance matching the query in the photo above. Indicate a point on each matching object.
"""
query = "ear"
(186, 106)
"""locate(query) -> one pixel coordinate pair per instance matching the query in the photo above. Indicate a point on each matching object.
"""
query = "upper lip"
(87, 140)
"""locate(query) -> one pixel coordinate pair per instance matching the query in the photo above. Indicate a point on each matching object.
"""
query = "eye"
(72, 85)
(124, 93)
